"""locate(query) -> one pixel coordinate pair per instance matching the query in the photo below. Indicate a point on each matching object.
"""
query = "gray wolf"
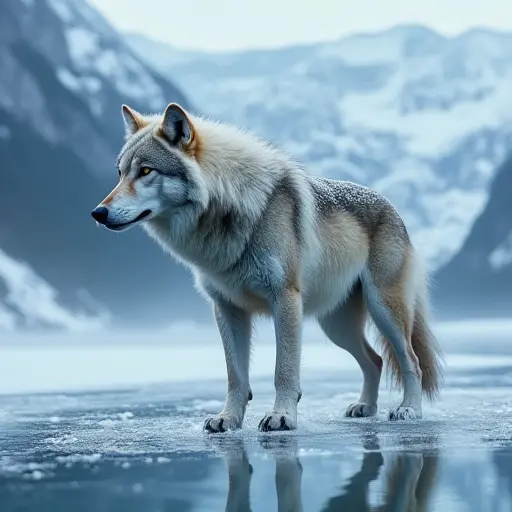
(263, 237)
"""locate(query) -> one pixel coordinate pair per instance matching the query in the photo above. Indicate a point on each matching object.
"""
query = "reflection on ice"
(407, 482)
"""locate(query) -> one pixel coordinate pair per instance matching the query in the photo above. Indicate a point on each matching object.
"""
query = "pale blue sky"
(236, 24)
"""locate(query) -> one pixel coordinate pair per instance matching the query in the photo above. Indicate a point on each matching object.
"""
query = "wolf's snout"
(100, 214)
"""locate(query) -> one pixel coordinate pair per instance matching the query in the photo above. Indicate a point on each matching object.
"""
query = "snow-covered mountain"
(479, 277)
(80, 50)
(64, 74)
(423, 118)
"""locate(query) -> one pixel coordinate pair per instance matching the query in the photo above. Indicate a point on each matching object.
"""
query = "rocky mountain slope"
(423, 118)
(478, 280)
(65, 74)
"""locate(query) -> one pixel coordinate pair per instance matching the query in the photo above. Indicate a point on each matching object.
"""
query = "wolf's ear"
(133, 121)
(176, 125)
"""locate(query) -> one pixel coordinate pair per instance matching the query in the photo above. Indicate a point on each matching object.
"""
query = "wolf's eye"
(144, 171)
(119, 172)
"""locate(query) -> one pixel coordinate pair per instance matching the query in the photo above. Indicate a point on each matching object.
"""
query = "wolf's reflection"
(408, 478)
(239, 477)
(355, 491)
(288, 473)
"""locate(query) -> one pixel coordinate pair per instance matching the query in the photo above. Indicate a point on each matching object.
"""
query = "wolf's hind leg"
(345, 327)
(235, 330)
(390, 295)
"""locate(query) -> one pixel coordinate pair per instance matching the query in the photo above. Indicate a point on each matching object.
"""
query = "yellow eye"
(144, 171)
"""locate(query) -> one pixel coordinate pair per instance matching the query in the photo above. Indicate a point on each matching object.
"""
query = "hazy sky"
(230, 24)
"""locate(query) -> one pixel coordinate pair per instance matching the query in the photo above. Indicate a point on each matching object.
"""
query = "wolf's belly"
(327, 285)
(321, 292)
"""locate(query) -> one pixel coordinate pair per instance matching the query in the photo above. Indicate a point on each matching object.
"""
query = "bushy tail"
(426, 348)
(423, 342)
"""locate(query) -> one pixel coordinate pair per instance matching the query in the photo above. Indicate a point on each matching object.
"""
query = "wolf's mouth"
(124, 225)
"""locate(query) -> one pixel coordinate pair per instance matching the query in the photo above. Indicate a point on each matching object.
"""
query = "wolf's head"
(158, 170)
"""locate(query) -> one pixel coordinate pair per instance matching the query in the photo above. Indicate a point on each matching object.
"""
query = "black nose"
(100, 214)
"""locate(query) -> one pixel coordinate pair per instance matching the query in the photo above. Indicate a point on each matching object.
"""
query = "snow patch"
(83, 45)
(129, 77)
(34, 299)
(88, 85)
(501, 257)
(5, 133)
(445, 234)
(69, 80)
(7, 318)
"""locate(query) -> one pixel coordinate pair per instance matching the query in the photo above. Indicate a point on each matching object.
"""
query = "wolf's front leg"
(235, 330)
(288, 328)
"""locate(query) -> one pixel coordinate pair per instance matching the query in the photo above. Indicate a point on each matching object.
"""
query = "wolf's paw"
(404, 413)
(361, 410)
(221, 423)
(276, 420)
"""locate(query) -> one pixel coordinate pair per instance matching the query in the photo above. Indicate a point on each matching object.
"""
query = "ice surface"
(126, 440)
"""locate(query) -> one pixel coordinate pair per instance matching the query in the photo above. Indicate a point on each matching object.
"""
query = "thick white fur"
(327, 276)
(232, 170)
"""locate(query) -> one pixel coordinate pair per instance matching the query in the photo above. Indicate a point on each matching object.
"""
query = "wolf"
(264, 237)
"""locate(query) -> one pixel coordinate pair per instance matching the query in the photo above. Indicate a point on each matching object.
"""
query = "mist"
(37, 362)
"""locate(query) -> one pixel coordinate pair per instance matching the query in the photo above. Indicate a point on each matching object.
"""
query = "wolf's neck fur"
(240, 170)
(240, 173)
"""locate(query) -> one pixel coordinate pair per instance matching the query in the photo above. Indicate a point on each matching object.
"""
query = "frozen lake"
(109, 424)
